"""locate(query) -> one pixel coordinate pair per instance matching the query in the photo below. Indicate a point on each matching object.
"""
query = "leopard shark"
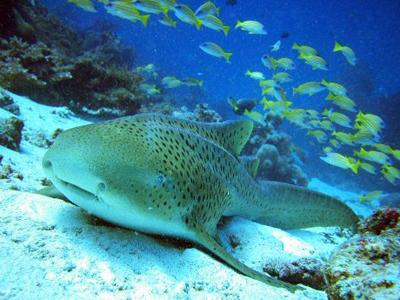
(168, 176)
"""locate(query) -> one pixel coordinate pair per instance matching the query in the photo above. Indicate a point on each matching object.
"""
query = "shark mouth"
(73, 190)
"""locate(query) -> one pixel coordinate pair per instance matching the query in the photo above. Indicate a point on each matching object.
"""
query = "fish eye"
(178, 6)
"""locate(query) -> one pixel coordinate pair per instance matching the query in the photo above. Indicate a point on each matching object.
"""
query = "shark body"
(168, 176)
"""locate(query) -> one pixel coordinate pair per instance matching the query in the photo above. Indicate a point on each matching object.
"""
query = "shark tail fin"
(288, 206)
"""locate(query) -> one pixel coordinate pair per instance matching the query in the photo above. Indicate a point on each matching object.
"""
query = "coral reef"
(59, 67)
(166, 107)
(201, 113)
(276, 153)
(380, 220)
(374, 251)
(44, 73)
(10, 132)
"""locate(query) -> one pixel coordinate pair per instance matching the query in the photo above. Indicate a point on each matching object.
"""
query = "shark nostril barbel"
(101, 187)
(47, 164)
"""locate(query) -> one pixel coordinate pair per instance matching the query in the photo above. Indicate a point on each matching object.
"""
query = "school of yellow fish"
(340, 125)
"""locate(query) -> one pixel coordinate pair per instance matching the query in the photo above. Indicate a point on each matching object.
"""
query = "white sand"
(53, 250)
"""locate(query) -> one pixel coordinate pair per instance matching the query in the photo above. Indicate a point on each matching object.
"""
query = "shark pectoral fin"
(210, 243)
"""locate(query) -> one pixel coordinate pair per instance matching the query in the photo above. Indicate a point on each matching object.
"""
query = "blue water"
(370, 28)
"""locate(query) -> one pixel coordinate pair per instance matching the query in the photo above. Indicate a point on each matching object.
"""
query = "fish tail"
(165, 10)
(330, 96)
(198, 24)
(354, 167)
(295, 46)
(264, 91)
(238, 24)
(294, 91)
(228, 56)
(226, 29)
(144, 19)
(337, 47)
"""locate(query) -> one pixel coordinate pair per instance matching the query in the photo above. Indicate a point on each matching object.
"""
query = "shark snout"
(67, 172)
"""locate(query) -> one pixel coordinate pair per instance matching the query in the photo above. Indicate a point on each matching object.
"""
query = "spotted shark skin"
(167, 176)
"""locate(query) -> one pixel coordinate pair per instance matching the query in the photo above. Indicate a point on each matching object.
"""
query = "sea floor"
(51, 249)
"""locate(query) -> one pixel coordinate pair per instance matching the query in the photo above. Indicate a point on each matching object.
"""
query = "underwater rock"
(307, 271)
(380, 220)
(7, 103)
(14, 20)
(10, 132)
(7, 172)
(276, 153)
(368, 266)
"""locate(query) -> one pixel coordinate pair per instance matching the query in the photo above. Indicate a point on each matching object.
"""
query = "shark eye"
(160, 179)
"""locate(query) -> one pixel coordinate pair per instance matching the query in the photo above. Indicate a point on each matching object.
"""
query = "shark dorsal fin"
(231, 135)
(251, 164)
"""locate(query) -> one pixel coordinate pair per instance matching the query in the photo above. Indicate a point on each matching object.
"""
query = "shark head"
(106, 167)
